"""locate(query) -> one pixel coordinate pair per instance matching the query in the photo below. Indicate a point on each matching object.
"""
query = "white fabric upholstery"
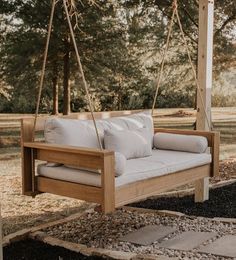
(161, 162)
(131, 143)
(177, 142)
(70, 132)
(120, 164)
(82, 133)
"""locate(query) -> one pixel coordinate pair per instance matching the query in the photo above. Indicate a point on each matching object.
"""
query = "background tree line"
(120, 43)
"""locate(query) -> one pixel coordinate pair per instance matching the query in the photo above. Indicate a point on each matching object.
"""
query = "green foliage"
(120, 43)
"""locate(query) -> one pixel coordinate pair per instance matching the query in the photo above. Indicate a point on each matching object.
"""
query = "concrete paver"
(187, 240)
(147, 235)
(224, 246)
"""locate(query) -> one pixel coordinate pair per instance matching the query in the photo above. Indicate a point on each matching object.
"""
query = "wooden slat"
(143, 189)
(73, 159)
(68, 149)
(26, 156)
(215, 155)
(108, 184)
(69, 189)
(86, 116)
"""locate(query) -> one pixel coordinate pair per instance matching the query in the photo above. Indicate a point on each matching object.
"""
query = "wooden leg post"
(205, 54)
(202, 190)
(108, 184)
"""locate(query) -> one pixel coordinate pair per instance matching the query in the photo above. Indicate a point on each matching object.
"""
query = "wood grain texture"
(201, 190)
(143, 189)
(107, 195)
(27, 162)
(205, 60)
(108, 184)
(69, 189)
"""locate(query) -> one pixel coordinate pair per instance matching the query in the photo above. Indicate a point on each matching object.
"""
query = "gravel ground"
(20, 211)
(221, 203)
(96, 230)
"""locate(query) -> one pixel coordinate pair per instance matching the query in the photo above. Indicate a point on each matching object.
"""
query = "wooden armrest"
(68, 148)
(213, 139)
(69, 155)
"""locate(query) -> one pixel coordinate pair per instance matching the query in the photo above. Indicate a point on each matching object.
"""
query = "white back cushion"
(82, 133)
(130, 143)
(177, 142)
(71, 132)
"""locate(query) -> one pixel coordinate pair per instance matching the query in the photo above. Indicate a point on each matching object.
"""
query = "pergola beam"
(205, 60)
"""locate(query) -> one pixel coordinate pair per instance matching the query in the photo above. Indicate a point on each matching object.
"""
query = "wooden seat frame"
(107, 195)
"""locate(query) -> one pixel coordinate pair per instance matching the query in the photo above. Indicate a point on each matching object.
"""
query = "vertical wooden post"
(205, 60)
(201, 190)
(27, 156)
(108, 184)
(205, 53)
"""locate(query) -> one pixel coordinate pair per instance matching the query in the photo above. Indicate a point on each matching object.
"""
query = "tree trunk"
(66, 77)
(55, 91)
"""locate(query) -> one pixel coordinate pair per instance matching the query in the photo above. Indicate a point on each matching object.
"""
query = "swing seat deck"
(108, 195)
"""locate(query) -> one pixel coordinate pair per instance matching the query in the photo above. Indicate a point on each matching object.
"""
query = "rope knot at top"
(175, 4)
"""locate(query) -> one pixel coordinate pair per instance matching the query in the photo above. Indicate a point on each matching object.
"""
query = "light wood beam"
(205, 58)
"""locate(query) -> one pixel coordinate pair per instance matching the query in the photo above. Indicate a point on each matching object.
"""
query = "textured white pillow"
(71, 132)
(131, 143)
(82, 133)
(177, 142)
(131, 122)
(120, 164)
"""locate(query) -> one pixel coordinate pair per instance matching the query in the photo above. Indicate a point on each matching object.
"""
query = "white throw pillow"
(130, 143)
(131, 122)
(120, 164)
(177, 142)
(82, 132)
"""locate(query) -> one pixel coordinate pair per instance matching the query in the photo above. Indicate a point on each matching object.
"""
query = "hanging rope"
(44, 66)
(193, 70)
(82, 73)
(164, 55)
(175, 12)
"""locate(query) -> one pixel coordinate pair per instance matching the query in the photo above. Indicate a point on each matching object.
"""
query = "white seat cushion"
(162, 162)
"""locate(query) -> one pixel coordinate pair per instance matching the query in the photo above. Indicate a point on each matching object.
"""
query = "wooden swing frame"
(107, 195)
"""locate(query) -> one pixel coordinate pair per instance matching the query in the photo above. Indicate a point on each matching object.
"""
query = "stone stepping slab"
(224, 246)
(148, 235)
(187, 240)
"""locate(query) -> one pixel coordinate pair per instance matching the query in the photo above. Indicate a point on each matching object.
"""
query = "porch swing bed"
(114, 158)
(100, 176)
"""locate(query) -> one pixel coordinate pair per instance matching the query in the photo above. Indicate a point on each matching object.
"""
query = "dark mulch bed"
(222, 203)
(35, 250)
